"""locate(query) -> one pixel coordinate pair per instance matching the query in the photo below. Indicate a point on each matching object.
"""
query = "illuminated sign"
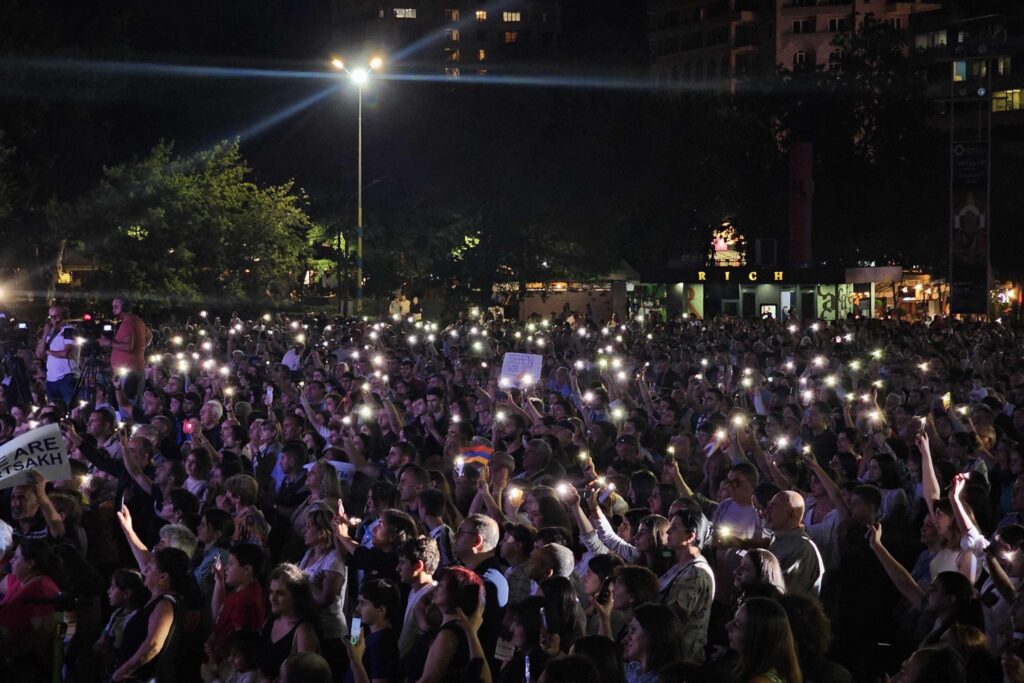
(728, 248)
(741, 276)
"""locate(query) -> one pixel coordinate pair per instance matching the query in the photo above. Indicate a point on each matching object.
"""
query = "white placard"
(41, 449)
(521, 369)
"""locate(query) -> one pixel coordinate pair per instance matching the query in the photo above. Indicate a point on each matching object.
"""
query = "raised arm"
(898, 574)
(830, 486)
(929, 480)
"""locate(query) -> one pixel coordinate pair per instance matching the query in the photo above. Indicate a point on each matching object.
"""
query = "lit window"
(451, 15)
(405, 13)
(959, 71)
(1003, 66)
(511, 17)
(453, 56)
(481, 15)
(452, 34)
(511, 37)
(1006, 100)
(481, 55)
(800, 58)
(451, 72)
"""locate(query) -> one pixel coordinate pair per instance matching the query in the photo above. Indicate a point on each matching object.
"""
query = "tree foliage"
(176, 229)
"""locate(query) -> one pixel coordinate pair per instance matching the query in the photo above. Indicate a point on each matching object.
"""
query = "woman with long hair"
(761, 635)
(323, 485)
(564, 614)
(291, 626)
(524, 626)
(328, 577)
(758, 574)
(654, 639)
(26, 616)
(149, 636)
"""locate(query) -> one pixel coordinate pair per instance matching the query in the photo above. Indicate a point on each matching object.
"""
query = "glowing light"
(456, 419)
(176, 340)
(739, 421)
(580, 364)
(793, 329)
(527, 379)
(782, 442)
(724, 532)
(563, 489)
(855, 365)
(500, 416)
(747, 382)
(588, 396)
(618, 413)
(876, 354)
(819, 361)
(704, 362)
(202, 314)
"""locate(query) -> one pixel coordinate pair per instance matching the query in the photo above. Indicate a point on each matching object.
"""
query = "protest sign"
(521, 369)
(40, 450)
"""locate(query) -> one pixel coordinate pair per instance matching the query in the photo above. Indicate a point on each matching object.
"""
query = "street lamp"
(360, 76)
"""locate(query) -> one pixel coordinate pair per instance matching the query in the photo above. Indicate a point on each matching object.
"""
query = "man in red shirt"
(242, 608)
(128, 348)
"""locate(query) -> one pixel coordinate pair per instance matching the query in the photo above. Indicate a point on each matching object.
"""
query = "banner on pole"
(40, 450)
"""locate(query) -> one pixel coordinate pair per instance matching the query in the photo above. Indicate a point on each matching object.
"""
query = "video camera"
(14, 333)
(88, 331)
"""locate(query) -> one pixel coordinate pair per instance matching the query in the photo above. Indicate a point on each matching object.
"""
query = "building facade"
(717, 45)
(456, 37)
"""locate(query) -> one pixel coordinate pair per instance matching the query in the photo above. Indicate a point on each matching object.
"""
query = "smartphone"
(269, 398)
(188, 426)
(460, 466)
(356, 628)
(605, 593)
(947, 400)
(543, 619)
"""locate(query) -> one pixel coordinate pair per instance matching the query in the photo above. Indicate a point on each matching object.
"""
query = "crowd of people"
(301, 498)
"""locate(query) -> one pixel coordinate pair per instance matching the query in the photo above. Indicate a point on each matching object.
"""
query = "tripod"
(92, 374)
(18, 390)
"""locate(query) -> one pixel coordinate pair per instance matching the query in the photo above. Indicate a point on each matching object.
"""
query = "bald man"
(801, 562)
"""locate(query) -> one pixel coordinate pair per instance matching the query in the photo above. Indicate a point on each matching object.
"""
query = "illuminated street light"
(360, 76)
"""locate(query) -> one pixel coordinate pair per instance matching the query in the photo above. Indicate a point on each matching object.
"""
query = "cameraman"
(128, 348)
(59, 355)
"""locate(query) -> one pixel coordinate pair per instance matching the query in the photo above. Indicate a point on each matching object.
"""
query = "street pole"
(359, 212)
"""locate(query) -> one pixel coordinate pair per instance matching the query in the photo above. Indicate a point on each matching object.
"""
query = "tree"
(177, 229)
(880, 170)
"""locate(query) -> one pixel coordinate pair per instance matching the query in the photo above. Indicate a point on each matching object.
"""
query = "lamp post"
(359, 76)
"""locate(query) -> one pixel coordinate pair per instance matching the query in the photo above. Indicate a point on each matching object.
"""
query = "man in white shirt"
(60, 357)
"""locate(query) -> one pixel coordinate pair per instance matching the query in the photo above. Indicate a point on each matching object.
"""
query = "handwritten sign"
(521, 370)
(41, 450)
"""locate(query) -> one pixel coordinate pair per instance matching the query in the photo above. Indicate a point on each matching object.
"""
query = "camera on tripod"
(88, 331)
(14, 334)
